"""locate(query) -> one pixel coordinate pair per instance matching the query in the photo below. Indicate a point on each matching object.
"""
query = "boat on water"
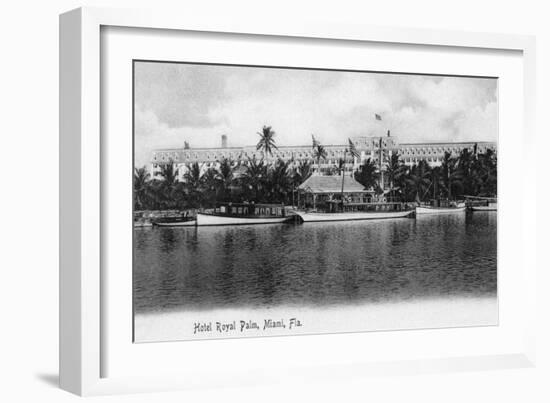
(185, 222)
(438, 206)
(244, 214)
(335, 211)
(489, 207)
(341, 198)
(476, 203)
(141, 219)
(166, 218)
(142, 224)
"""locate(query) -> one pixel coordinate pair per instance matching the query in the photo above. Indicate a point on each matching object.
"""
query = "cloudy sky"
(197, 103)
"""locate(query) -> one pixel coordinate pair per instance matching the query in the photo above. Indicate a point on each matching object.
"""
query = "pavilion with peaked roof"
(318, 190)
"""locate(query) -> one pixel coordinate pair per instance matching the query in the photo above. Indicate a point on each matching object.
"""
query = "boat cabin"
(441, 203)
(336, 206)
(476, 201)
(249, 210)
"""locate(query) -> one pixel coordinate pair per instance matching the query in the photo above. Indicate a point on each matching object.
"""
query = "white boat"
(441, 206)
(215, 219)
(142, 224)
(488, 207)
(351, 216)
(440, 210)
(188, 223)
(476, 203)
(244, 214)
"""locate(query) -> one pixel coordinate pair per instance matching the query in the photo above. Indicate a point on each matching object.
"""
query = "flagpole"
(379, 118)
(380, 165)
(354, 154)
(343, 169)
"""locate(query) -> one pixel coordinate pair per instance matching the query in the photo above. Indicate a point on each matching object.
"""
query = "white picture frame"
(82, 343)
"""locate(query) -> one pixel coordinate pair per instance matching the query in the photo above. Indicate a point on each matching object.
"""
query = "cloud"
(179, 94)
(151, 133)
(196, 103)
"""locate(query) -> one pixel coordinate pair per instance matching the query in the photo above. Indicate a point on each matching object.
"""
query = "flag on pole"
(352, 150)
(377, 116)
(315, 143)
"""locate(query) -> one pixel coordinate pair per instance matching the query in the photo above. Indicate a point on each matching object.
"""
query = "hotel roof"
(331, 184)
(306, 146)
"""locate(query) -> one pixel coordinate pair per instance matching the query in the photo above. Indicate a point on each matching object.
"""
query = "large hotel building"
(368, 147)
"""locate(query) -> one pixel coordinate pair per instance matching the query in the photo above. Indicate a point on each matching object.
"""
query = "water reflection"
(315, 263)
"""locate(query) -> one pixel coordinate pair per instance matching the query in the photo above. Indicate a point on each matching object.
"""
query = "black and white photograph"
(279, 201)
(256, 202)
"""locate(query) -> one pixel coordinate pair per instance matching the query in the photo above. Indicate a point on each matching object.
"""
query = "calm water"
(315, 264)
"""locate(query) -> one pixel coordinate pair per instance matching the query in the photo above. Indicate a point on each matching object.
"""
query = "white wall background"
(29, 201)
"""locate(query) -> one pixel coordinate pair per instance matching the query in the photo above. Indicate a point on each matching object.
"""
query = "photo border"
(280, 67)
(80, 185)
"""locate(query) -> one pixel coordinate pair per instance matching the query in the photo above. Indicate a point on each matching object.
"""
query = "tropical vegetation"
(275, 181)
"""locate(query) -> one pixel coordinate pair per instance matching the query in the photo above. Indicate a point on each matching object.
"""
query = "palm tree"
(342, 168)
(302, 172)
(487, 173)
(280, 181)
(193, 175)
(319, 153)
(254, 177)
(210, 183)
(314, 142)
(155, 197)
(226, 177)
(366, 175)
(267, 141)
(419, 179)
(193, 184)
(342, 164)
(466, 162)
(169, 174)
(141, 187)
(395, 171)
(450, 177)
